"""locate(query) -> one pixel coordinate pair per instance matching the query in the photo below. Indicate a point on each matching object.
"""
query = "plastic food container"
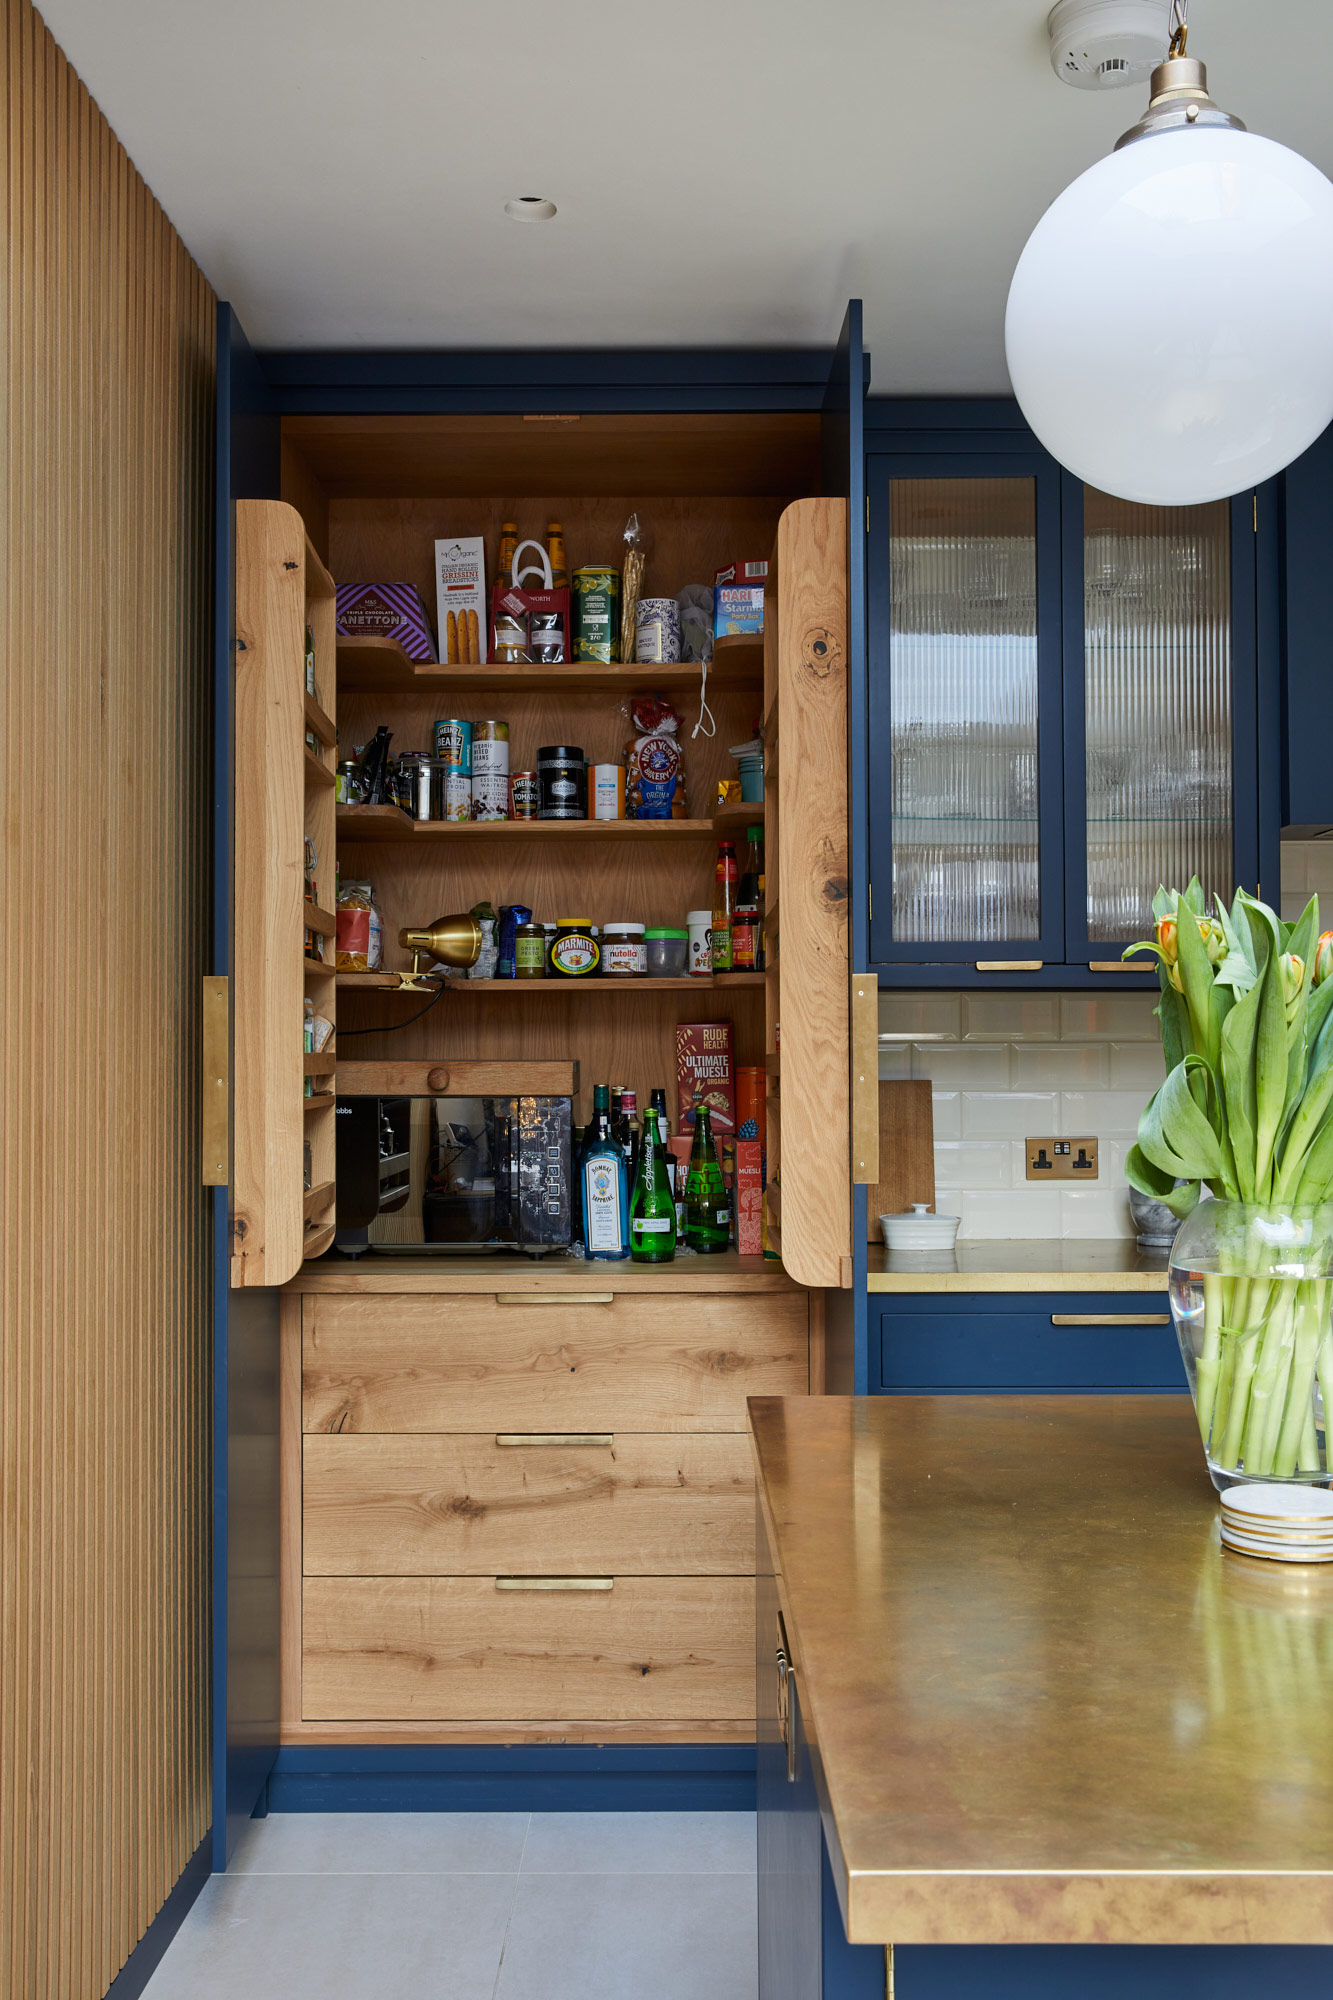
(667, 953)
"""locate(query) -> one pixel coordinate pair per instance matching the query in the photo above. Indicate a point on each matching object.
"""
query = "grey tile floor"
(475, 1906)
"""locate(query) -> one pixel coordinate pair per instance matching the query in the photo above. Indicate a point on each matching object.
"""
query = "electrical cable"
(346, 1033)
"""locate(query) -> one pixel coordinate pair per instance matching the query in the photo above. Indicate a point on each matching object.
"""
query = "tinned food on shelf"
(453, 742)
(490, 771)
(562, 780)
(524, 794)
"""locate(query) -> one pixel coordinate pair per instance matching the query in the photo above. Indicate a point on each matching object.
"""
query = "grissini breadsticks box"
(460, 586)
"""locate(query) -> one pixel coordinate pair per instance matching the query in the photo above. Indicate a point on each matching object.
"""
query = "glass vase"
(1251, 1299)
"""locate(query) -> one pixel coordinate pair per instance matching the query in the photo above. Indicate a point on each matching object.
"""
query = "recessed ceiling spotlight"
(530, 208)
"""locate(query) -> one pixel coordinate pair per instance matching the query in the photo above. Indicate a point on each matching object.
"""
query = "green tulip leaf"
(1150, 1180)
(1176, 1135)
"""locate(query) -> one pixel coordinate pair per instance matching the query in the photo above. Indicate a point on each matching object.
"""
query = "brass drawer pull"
(787, 1711)
(1110, 1319)
(555, 1583)
(604, 1438)
(554, 1298)
(1010, 964)
(1121, 965)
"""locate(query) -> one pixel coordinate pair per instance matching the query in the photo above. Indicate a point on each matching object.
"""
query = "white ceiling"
(727, 172)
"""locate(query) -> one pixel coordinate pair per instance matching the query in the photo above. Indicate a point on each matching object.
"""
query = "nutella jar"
(624, 952)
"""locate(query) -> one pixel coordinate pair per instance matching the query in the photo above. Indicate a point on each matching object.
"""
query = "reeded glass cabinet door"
(964, 696)
(1157, 620)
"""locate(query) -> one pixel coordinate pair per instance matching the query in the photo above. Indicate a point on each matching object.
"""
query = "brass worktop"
(1045, 1707)
(1107, 1264)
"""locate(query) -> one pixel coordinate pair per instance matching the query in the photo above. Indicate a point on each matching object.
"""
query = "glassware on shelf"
(1157, 691)
(963, 661)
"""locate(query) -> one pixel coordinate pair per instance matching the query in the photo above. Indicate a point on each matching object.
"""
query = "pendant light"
(1169, 331)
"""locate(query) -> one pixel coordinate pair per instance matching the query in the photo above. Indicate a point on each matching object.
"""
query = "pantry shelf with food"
(597, 827)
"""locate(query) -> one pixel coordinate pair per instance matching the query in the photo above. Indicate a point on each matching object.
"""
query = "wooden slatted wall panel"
(107, 360)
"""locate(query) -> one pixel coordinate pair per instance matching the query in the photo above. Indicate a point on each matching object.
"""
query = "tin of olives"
(596, 603)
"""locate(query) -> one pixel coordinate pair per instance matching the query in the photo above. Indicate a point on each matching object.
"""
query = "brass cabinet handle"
(1010, 964)
(555, 1583)
(1110, 1319)
(604, 1438)
(787, 1711)
(1121, 965)
(554, 1298)
(865, 1080)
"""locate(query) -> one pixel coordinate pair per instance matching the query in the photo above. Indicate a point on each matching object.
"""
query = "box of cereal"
(705, 1075)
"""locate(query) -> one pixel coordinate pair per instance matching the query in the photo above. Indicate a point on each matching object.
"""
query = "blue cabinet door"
(1068, 1343)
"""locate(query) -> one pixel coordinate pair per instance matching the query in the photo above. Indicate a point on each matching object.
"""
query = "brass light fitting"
(452, 941)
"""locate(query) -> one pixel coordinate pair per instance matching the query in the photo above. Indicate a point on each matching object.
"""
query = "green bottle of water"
(652, 1213)
(707, 1210)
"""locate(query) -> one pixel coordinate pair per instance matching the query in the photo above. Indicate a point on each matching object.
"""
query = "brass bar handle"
(1122, 965)
(865, 1080)
(1010, 964)
(787, 1711)
(1110, 1319)
(605, 1439)
(554, 1298)
(555, 1583)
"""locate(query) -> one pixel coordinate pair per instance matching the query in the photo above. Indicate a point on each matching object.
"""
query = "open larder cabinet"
(283, 1152)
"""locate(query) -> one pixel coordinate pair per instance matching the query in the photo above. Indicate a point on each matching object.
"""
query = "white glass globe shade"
(1170, 323)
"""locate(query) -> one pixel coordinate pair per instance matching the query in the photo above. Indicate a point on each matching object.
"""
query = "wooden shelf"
(318, 1198)
(323, 1064)
(387, 982)
(380, 666)
(318, 773)
(315, 968)
(318, 582)
(735, 818)
(318, 1237)
(387, 823)
(313, 918)
(319, 1102)
(725, 1271)
(319, 723)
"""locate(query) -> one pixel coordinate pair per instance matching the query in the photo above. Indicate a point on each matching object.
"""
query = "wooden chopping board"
(906, 1152)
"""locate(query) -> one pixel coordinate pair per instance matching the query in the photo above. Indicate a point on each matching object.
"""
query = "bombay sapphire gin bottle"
(605, 1194)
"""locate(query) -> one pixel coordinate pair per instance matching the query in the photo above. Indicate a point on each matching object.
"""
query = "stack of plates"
(1285, 1523)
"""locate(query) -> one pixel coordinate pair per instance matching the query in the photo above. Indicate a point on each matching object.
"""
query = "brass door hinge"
(215, 1084)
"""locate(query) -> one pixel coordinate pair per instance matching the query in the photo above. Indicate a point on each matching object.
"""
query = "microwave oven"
(453, 1175)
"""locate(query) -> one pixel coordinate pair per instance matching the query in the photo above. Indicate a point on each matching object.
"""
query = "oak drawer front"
(468, 1506)
(675, 1362)
(446, 1649)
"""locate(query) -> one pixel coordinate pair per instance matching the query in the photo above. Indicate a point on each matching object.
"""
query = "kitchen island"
(1013, 1694)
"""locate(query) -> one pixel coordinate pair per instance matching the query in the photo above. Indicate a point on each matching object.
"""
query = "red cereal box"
(705, 1074)
(749, 1198)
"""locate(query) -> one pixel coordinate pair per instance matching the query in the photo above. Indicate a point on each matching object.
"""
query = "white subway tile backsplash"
(1020, 1065)
(1011, 1017)
(1137, 1066)
(1008, 1114)
(1063, 1066)
(1113, 1114)
(967, 1066)
(1095, 1211)
(906, 1014)
(1026, 1212)
(1107, 1017)
(948, 1114)
(975, 1163)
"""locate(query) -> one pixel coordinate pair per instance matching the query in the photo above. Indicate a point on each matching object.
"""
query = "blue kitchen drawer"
(1006, 1342)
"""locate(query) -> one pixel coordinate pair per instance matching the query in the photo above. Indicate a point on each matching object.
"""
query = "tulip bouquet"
(1246, 1111)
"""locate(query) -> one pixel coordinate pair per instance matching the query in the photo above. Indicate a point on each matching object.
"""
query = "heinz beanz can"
(453, 742)
(596, 614)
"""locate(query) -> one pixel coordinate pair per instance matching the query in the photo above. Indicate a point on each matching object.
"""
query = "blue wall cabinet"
(1071, 700)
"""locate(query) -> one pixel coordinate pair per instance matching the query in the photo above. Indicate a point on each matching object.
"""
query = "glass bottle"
(555, 549)
(652, 1215)
(602, 1185)
(504, 562)
(630, 1134)
(707, 1210)
(725, 880)
(746, 930)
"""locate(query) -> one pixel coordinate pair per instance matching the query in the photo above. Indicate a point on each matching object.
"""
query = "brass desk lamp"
(450, 940)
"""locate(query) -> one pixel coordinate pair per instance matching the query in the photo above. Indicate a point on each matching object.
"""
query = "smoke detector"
(1102, 44)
